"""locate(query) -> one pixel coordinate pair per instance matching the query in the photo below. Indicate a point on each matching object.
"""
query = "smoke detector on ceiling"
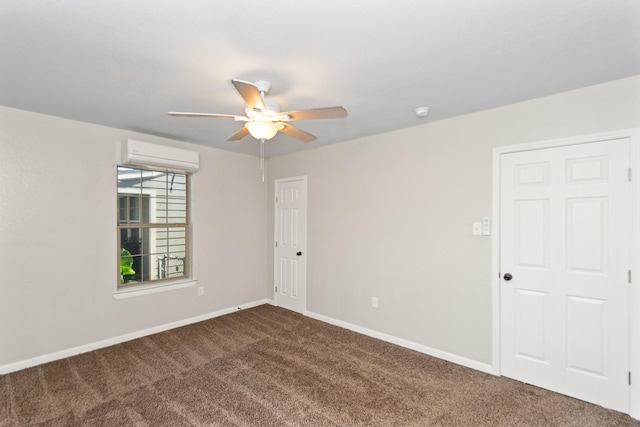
(422, 112)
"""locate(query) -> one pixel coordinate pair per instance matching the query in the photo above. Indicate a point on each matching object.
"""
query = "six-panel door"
(565, 236)
(290, 257)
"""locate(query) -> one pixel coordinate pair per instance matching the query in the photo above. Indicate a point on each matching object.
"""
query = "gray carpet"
(270, 367)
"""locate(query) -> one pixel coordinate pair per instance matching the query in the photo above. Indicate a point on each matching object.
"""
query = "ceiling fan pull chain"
(262, 157)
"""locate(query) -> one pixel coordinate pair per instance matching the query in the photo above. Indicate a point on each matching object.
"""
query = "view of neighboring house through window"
(153, 227)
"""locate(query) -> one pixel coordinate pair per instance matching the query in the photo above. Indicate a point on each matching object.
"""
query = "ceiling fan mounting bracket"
(263, 86)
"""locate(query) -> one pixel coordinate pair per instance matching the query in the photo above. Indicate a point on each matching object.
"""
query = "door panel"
(587, 235)
(586, 353)
(565, 239)
(532, 233)
(532, 325)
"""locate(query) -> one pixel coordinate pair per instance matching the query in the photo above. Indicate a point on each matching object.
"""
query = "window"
(153, 226)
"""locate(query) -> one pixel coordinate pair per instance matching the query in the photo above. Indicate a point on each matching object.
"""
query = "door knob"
(508, 276)
(299, 253)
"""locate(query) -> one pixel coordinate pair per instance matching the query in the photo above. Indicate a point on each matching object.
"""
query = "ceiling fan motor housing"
(273, 108)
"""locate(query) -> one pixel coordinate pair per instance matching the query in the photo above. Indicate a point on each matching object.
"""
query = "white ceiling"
(125, 63)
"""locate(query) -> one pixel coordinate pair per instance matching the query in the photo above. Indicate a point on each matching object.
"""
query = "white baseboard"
(39, 360)
(454, 358)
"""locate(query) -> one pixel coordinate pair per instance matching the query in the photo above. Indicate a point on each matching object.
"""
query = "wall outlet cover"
(476, 229)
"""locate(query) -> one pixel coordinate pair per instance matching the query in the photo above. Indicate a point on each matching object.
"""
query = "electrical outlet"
(200, 291)
(374, 302)
(476, 229)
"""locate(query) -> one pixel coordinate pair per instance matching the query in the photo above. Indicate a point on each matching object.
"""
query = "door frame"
(634, 287)
(276, 182)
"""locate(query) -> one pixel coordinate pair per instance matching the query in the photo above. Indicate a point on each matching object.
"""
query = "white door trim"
(634, 294)
(304, 180)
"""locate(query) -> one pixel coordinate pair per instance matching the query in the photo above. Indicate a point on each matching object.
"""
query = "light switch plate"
(486, 226)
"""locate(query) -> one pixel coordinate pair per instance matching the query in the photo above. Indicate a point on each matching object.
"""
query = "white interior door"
(564, 261)
(290, 246)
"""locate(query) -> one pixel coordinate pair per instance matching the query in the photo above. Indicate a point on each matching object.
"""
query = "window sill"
(154, 289)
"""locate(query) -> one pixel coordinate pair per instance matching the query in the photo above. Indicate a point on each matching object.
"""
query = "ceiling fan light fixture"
(263, 129)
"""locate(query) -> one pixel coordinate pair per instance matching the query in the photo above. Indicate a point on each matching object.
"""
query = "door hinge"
(276, 289)
(629, 276)
(276, 199)
(629, 377)
(629, 174)
(276, 243)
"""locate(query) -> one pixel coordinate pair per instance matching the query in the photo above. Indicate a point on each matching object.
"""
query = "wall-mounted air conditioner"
(145, 154)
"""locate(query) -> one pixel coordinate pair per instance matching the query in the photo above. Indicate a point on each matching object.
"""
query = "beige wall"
(58, 255)
(390, 215)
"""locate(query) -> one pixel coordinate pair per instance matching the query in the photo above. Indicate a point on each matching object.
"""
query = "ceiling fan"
(264, 119)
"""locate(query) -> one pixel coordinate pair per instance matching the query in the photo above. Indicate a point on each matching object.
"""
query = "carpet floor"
(267, 366)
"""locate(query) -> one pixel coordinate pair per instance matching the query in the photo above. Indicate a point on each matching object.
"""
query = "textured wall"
(58, 265)
(390, 215)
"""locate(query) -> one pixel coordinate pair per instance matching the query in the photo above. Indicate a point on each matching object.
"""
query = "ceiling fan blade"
(316, 113)
(250, 94)
(296, 133)
(220, 116)
(241, 133)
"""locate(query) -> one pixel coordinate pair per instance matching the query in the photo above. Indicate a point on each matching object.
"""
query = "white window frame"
(156, 285)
